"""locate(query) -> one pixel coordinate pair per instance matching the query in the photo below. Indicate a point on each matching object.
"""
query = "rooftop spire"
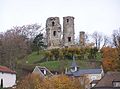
(74, 64)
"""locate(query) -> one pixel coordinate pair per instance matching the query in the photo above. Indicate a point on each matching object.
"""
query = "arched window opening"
(53, 23)
(54, 33)
(69, 39)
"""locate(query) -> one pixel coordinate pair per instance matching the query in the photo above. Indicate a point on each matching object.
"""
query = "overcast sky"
(90, 15)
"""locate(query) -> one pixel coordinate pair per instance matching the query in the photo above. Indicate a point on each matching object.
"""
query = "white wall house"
(7, 77)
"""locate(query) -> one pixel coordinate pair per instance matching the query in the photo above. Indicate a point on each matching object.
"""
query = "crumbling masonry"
(55, 38)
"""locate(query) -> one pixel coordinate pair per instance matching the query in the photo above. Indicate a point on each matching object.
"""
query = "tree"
(13, 47)
(48, 55)
(97, 37)
(31, 82)
(55, 54)
(38, 42)
(29, 31)
(93, 53)
(116, 42)
(15, 44)
(106, 41)
(109, 58)
(55, 82)
(65, 82)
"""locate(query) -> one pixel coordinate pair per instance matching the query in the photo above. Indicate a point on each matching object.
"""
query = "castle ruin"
(82, 39)
(68, 31)
(53, 32)
(56, 38)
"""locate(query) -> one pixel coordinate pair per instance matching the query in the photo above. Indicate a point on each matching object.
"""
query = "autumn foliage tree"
(31, 82)
(109, 58)
(55, 82)
(64, 82)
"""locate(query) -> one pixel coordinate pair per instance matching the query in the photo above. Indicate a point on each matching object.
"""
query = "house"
(94, 82)
(82, 74)
(42, 71)
(111, 80)
(7, 77)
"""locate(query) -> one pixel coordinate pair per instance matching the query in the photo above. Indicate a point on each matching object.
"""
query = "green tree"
(38, 43)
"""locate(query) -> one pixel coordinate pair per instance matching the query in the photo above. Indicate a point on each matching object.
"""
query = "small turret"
(82, 39)
(74, 67)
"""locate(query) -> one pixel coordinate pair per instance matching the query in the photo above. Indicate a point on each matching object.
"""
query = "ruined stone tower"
(82, 39)
(68, 31)
(53, 32)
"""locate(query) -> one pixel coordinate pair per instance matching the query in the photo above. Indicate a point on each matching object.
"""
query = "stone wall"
(82, 39)
(53, 32)
(68, 31)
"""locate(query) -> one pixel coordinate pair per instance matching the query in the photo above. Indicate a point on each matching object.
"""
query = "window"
(69, 39)
(116, 83)
(42, 71)
(93, 78)
(54, 33)
(66, 46)
(67, 20)
(53, 23)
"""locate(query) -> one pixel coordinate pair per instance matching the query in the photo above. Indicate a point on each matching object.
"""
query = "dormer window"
(44, 71)
(53, 23)
(116, 83)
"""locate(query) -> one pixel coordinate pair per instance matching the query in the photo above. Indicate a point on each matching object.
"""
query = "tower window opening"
(54, 33)
(67, 20)
(69, 39)
(53, 23)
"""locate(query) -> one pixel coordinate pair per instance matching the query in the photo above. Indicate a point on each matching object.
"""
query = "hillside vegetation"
(55, 61)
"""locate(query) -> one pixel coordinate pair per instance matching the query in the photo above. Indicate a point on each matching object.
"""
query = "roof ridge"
(6, 70)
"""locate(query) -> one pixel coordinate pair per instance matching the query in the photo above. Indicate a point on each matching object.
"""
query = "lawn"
(52, 65)
(62, 65)
(34, 57)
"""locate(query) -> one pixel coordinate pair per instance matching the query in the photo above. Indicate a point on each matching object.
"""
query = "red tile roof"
(6, 70)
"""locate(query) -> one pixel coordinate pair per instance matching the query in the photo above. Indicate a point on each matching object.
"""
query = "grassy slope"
(34, 57)
(55, 65)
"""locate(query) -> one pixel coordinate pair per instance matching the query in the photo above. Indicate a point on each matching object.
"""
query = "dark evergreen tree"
(38, 43)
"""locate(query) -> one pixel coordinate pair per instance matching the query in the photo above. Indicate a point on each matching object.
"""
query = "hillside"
(57, 65)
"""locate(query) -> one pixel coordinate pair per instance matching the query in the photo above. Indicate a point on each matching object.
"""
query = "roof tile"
(5, 69)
